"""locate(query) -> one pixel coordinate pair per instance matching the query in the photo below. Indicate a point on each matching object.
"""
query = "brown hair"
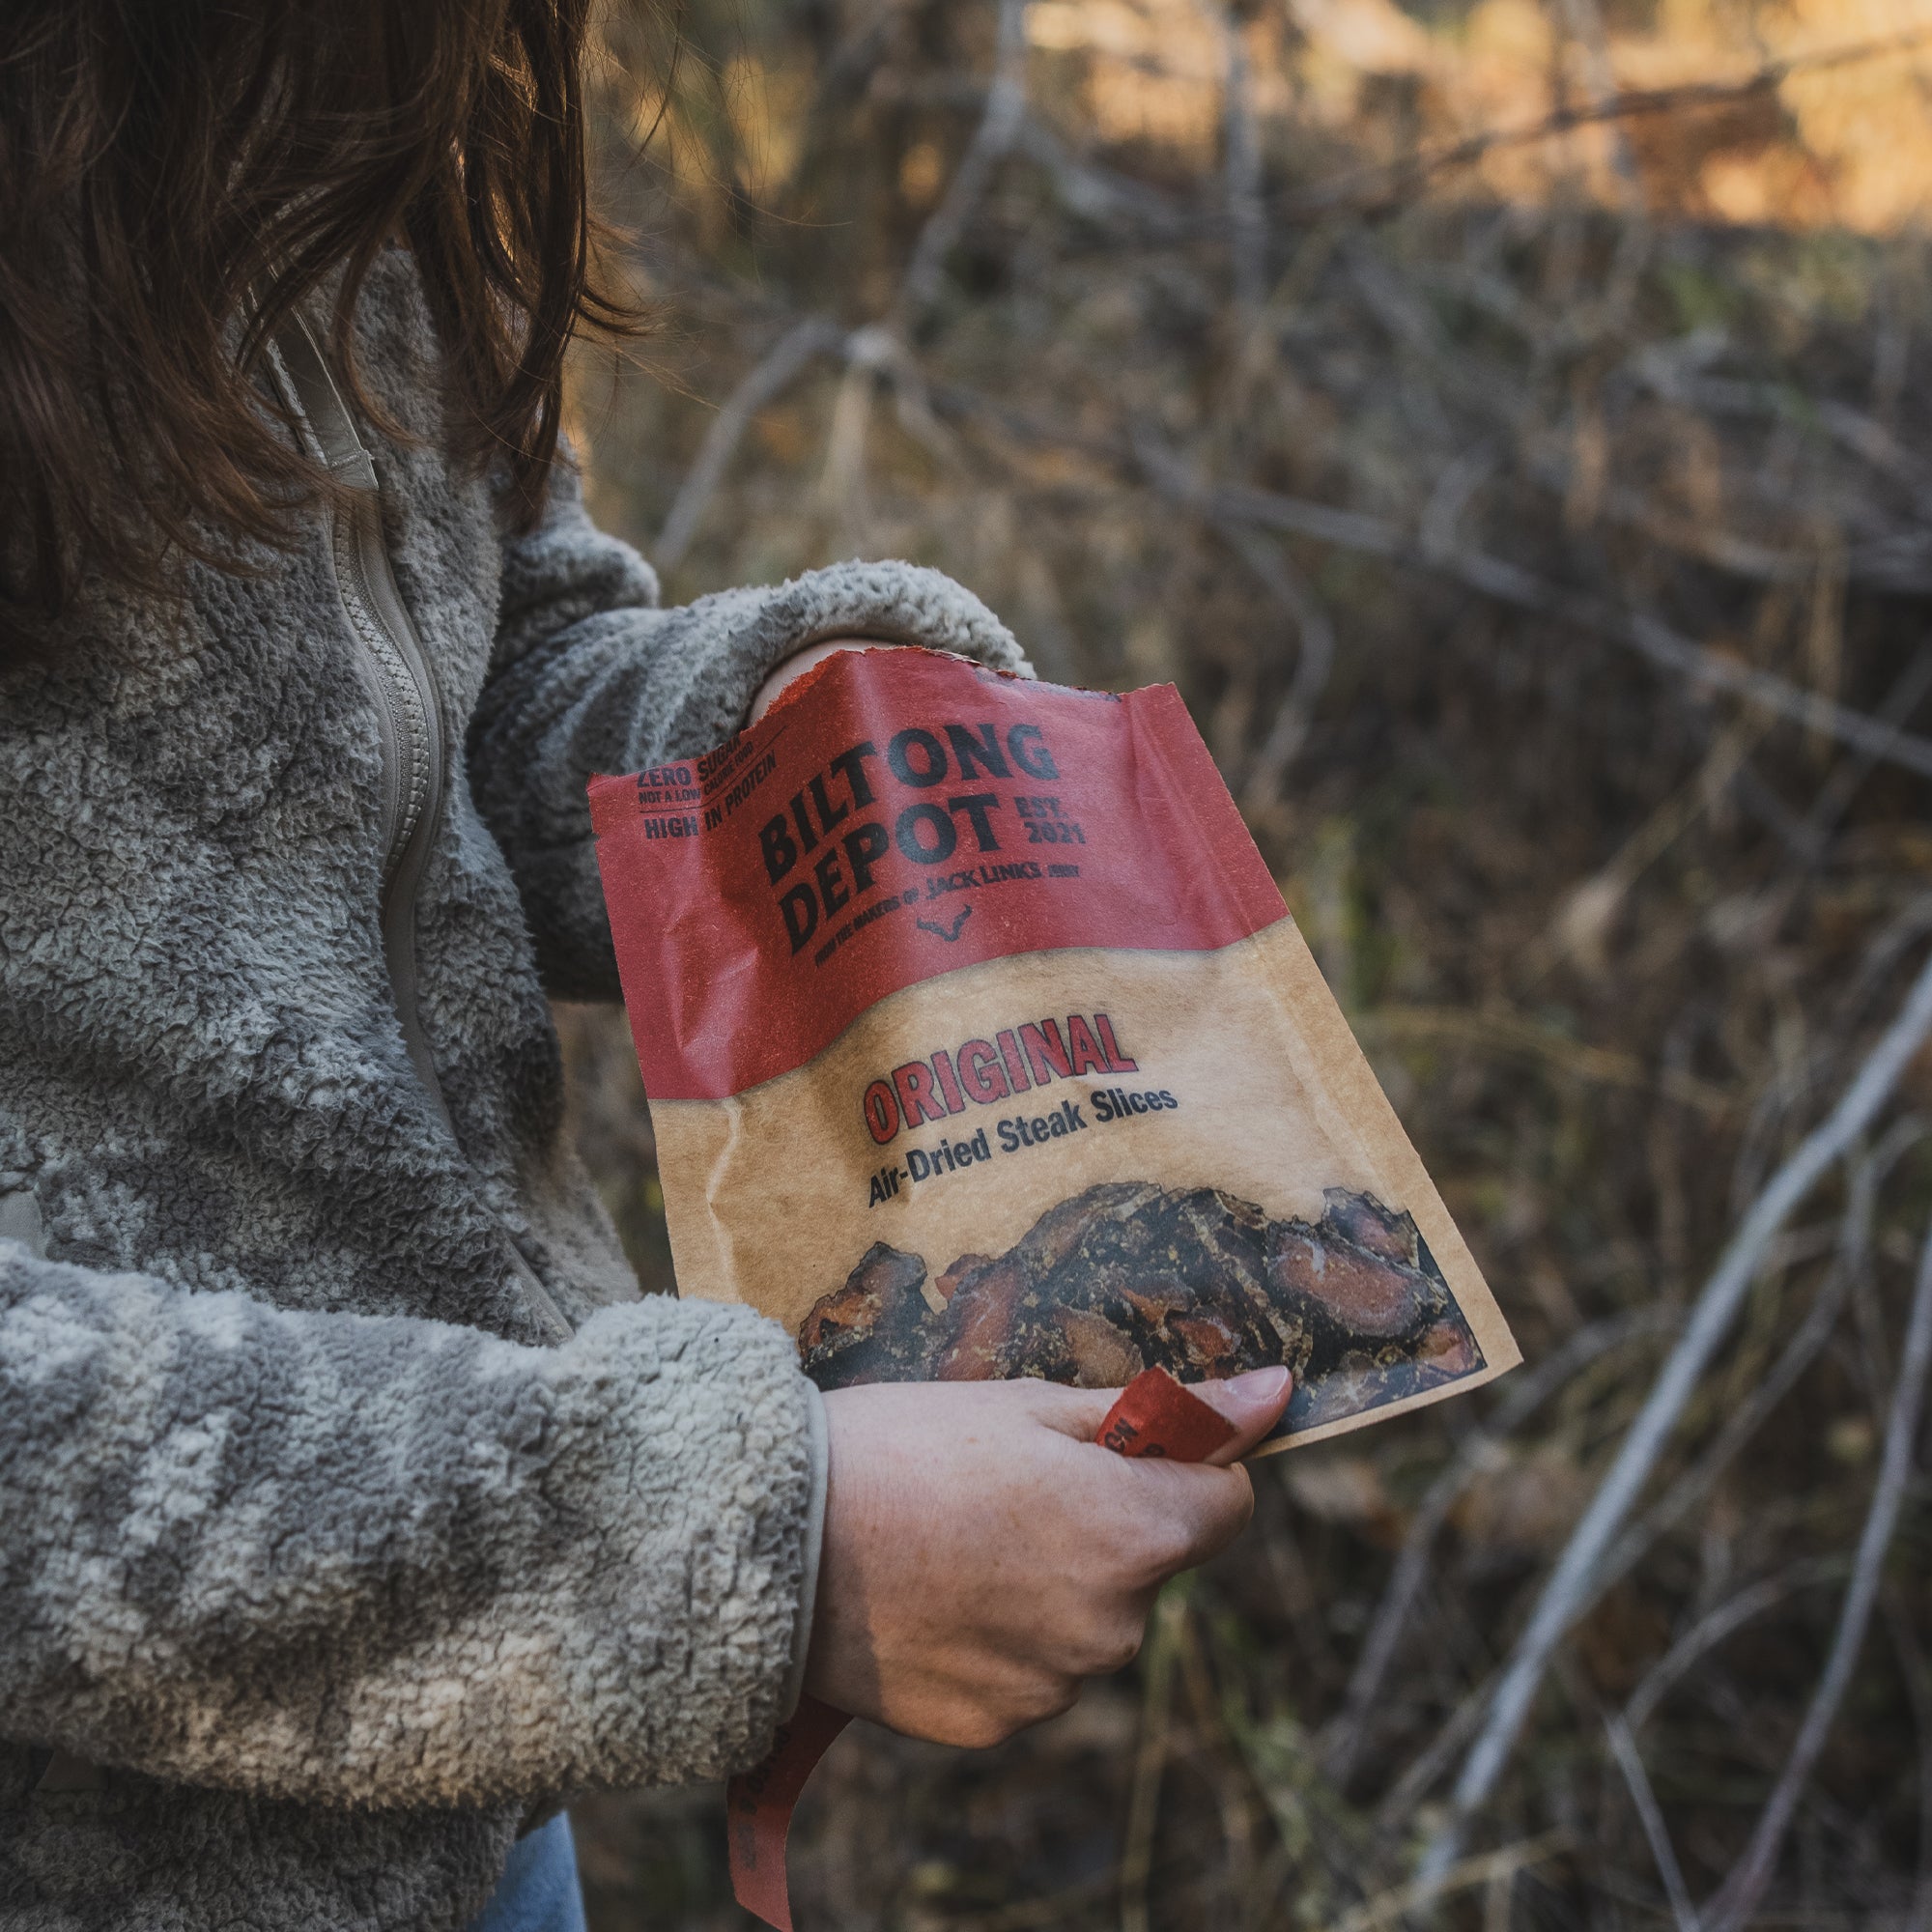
(175, 178)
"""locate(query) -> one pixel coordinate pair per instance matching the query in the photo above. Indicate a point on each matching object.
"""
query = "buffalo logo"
(947, 933)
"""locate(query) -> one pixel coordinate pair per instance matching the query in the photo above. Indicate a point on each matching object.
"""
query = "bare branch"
(1370, 191)
(1492, 575)
(1530, 1389)
(1248, 213)
(1712, 1629)
(767, 379)
(1151, 1758)
(1102, 194)
(1569, 1586)
(1623, 1748)
(1510, 584)
(1740, 1892)
(1841, 787)
(999, 127)
(1911, 1654)
(1313, 661)
(1585, 23)
(1392, 1906)
(1811, 1335)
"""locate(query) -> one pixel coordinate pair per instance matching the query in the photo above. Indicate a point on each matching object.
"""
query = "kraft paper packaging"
(980, 1042)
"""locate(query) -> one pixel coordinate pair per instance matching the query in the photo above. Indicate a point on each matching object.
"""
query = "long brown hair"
(175, 178)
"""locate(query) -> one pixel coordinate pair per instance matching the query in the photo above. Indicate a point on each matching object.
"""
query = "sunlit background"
(1507, 423)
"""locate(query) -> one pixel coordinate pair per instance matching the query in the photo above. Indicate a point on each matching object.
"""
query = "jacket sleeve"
(379, 1560)
(589, 674)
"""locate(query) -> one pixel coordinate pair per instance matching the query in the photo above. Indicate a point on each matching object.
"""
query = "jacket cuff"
(755, 632)
(698, 1491)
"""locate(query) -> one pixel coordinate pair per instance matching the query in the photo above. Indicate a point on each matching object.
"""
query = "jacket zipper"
(409, 717)
(407, 733)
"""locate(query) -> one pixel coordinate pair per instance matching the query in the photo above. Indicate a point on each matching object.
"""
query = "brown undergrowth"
(1537, 532)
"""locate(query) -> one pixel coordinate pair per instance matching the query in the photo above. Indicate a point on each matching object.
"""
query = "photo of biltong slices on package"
(980, 1042)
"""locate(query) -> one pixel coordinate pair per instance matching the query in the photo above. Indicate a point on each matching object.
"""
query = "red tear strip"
(758, 1807)
(1155, 1416)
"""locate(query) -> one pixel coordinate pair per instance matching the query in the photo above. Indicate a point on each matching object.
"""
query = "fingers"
(1252, 1401)
(1205, 1510)
(983, 1555)
(1150, 1519)
(796, 665)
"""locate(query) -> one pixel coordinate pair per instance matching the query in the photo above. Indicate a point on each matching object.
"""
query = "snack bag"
(980, 1042)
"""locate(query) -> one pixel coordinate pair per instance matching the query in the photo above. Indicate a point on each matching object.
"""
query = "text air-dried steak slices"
(979, 1043)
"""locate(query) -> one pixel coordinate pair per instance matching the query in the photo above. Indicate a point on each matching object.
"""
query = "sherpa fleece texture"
(303, 1534)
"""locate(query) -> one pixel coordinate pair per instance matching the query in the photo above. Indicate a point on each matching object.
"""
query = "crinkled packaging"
(980, 1042)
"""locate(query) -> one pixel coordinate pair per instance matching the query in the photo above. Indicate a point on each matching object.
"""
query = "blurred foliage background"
(1506, 422)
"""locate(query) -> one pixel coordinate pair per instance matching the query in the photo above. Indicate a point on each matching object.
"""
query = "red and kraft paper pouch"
(980, 1044)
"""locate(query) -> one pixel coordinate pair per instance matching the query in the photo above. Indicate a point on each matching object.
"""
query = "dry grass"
(1537, 529)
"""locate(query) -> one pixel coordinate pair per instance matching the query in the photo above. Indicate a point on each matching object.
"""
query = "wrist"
(809, 1553)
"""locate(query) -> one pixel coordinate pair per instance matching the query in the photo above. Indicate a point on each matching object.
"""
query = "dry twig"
(1531, 1388)
(1711, 1630)
(1738, 1897)
(1508, 584)
(998, 130)
(1623, 1748)
(768, 380)
(1374, 190)
(1798, 1354)
(1569, 1588)
(1150, 1757)
(1389, 1907)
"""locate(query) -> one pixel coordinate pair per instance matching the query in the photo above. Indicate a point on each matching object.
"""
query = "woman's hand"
(983, 1554)
(795, 668)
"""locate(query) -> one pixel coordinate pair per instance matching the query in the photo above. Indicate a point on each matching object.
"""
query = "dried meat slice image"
(877, 1328)
(1128, 1275)
(1384, 1325)
(1121, 1277)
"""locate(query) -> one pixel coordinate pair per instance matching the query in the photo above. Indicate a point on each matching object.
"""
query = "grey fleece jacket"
(322, 1558)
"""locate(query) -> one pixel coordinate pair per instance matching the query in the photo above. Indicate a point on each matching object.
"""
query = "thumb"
(1252, 1401)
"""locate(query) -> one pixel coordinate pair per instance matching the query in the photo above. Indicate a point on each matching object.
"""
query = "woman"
(353, 1509)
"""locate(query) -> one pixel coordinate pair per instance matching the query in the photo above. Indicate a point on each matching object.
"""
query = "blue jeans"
(538, 1891)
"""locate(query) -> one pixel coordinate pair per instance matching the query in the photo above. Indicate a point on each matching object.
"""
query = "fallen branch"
(1569, 1589)
(1738, 1897)
(1342, 1735)
(1798, 1354)
(1712, 1629)
(1623, 1748)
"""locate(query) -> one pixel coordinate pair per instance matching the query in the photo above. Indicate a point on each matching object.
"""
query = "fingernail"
(1260, 1386)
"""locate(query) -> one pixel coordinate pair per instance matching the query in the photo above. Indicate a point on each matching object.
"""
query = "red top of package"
(898, 814)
